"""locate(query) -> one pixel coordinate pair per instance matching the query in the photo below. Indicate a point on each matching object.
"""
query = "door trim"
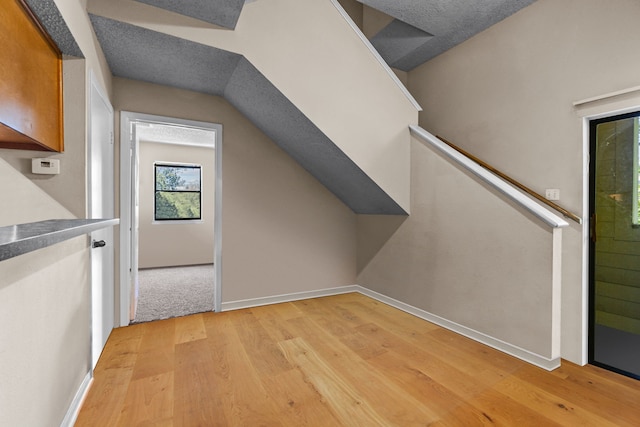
(95, 89)
(129, 149)
(591, 312)
(587, 110)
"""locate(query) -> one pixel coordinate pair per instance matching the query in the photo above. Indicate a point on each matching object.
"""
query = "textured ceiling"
(141, 54)
(49, 16)
(421, 30)
(398, 40)
(450, 22)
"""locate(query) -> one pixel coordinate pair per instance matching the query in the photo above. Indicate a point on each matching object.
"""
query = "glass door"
(614, 341)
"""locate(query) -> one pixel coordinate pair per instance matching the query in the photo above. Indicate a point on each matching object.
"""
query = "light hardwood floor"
(344, 360)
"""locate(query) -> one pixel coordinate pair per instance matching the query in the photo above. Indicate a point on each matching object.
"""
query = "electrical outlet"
(552, 194)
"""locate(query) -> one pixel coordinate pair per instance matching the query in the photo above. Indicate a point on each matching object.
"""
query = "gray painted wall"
(464, 254)
(282, 231)
(507, 96)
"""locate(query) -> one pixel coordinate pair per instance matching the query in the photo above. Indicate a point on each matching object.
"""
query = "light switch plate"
(45, 166)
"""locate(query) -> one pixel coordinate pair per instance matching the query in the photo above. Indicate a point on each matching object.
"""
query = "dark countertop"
(22, 238)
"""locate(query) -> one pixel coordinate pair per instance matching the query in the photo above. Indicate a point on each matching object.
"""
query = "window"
(177, 188)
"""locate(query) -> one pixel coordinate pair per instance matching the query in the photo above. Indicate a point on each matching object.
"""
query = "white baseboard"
(74, 409)
(297, 296)
(515, 351)
(520, 353)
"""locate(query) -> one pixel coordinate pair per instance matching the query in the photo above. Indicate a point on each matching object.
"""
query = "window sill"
(179, 221)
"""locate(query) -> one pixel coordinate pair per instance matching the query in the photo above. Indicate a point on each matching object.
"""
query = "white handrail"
(499, 184)
(375, 53)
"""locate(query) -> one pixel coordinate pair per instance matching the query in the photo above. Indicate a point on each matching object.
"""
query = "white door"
(101, 205)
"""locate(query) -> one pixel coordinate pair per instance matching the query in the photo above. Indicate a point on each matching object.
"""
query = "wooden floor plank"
(196, 401)
(377, 311)
(238, 385)
(156, 352)
(343, 360)
(285, 311)
(395, 404)
(501, 410)
(601, 382)
(260, 347)
(190, 328)
(148, 400)
(111, 378)
(345, 401)
(471, 354)
(609, 399)
(318, 311)
(434, 365)
(554, 407)
(273, 318)
(298, 401)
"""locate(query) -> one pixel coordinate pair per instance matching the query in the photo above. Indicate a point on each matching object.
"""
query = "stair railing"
(497, 179)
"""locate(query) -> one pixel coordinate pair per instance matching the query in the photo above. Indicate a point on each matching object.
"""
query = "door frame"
(590, 109)
(593, 124)
(96, 90)
(129, 153)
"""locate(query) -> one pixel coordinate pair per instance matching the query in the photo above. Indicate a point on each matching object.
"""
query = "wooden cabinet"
(30, 82)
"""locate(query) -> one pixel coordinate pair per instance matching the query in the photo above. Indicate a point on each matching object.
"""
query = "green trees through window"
(177, 189)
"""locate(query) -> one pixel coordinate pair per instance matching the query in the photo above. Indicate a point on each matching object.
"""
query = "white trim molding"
(129, 151)
(609, 104)
(296, 296)
(635, 90)
(597, 107)
(535, 359)
(505, 347)
(74, 409)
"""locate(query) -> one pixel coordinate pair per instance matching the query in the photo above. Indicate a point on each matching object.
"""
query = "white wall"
(506, 95)
(282, 231)
(163, 244)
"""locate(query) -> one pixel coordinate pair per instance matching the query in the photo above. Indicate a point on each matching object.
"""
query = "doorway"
(170, 211)
(614, 314)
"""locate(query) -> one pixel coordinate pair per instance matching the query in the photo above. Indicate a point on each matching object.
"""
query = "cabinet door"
(30, 82)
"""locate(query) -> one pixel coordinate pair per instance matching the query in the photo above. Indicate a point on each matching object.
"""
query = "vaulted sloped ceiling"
(419, 30)
(52, 21)
(423, 29)
(141, 54)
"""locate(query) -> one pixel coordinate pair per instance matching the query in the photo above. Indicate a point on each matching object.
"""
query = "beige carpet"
(174, 291)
